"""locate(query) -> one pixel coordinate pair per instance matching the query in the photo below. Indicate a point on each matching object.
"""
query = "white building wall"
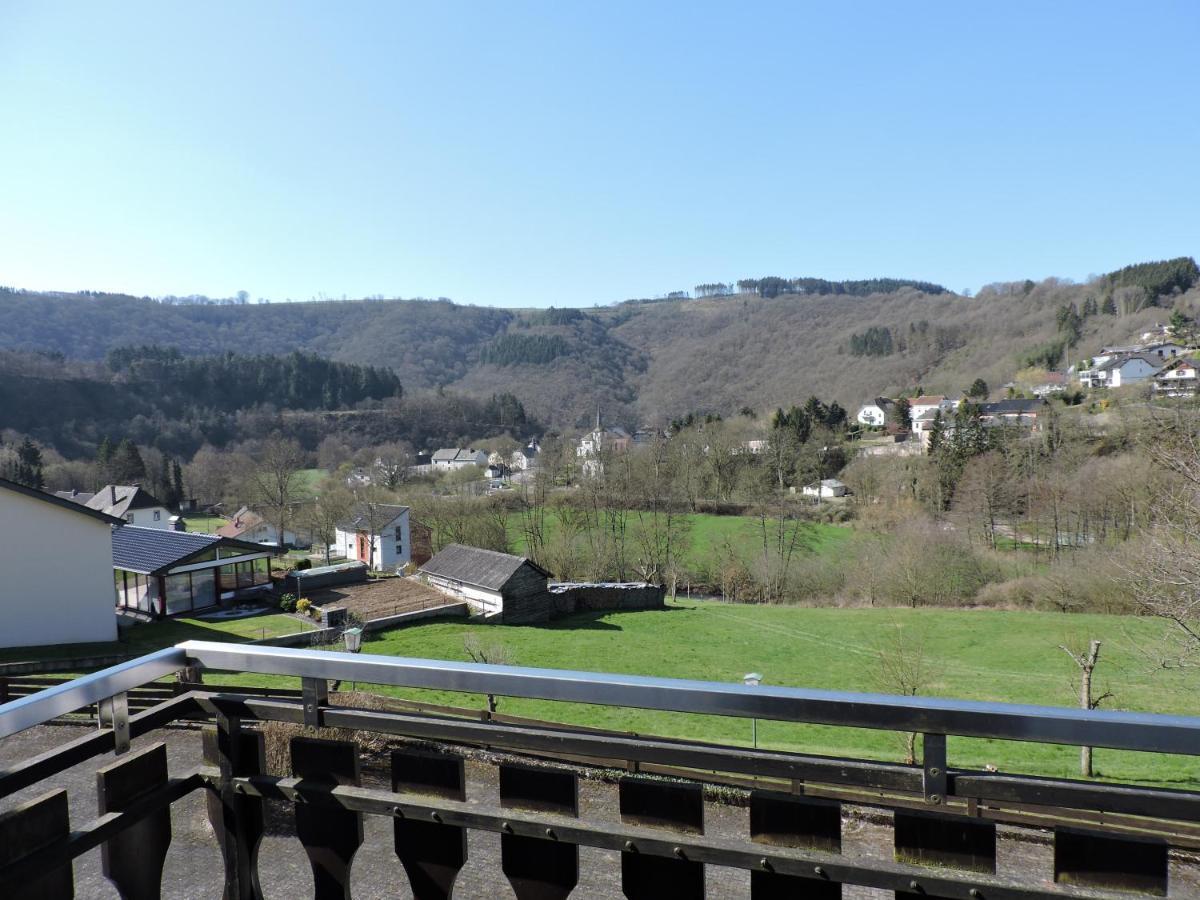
(58, 575)
(386, 556)
(151, 517)
(482, 601)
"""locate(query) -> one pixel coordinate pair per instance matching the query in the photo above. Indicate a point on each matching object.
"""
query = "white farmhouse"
(875, 414)
(45, 601)
(826, 487)
(377, 534)
(450, 458)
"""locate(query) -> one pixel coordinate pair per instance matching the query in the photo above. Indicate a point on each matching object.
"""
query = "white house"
(450, 458)
(1118, 371)
(44, 600)
(247, 525)
(875, 414)
(931, 403)
(377, 534)
(133, 503)
(826, 487)
(1178, 378)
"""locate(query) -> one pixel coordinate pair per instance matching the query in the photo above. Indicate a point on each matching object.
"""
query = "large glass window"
(262, 571)
(179, 593)
(204, 588)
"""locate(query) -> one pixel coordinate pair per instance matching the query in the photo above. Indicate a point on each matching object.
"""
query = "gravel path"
(193, 862)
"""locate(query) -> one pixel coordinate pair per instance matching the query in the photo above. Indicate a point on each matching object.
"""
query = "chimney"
(112, 489)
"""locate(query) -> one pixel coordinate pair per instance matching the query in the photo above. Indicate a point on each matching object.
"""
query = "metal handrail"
(39, 708)
(1151, 732)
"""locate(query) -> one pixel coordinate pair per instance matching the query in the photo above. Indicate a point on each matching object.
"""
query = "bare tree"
(904, 668)
(274, 482)
(1086, 660)
(494, 653)
(330, 508)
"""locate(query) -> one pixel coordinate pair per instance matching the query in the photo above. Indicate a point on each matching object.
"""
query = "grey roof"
(1118, 361)
(154, 550)
(1012, 407)
(481, 568)
(60, 502)
(456, 454)
(80, 497)
(118, 499)
(363, 515)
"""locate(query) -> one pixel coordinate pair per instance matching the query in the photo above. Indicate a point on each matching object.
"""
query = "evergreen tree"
(127, 465)
(1110, 306)
(27, 468)
(902, 414)
(978, 389)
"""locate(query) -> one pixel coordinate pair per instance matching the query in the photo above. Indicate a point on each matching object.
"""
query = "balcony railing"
(1108, 840)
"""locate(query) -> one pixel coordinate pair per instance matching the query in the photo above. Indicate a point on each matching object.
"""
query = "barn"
(498, 586)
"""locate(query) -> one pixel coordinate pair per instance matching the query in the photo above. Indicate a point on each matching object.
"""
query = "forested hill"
(761, 342)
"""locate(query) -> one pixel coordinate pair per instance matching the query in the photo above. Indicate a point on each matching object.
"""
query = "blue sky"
(526, 154)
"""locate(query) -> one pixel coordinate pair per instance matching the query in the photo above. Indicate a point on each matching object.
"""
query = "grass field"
(307, 481)
(708, 535)
(154, 636)
(983, 655)
(204, 524)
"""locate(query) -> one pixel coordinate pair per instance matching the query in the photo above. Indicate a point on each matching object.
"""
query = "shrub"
(303, 564)
(302, 606)
(287, 602)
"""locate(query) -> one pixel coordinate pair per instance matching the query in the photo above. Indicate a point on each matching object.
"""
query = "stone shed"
(498, 586)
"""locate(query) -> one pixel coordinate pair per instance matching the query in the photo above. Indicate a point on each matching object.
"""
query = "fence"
(944, 846)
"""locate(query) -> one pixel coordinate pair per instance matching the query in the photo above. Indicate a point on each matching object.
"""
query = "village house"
(1178, 378)
(1118, 371)
(497, 586)
(520, 460)
(1014, 413)
(131, 503)
(376, 534)
(876, 413)
(598, 441)
(449, 459)
(169, 573)
(930, 403)
(825, 488)
(247, 525)
(44, 601)
(1054, 383)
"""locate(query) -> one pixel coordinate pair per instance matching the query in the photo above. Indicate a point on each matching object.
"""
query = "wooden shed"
(499, 586)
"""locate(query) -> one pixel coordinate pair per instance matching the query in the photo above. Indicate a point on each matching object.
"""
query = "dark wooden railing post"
(537, 868)
(237, 820)
(29, 827)
(133, 860)
(330, 836)
(432, 853)
(785, 820)
(658, 804)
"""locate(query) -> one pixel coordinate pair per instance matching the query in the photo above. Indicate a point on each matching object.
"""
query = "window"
(157, 515)
(179, 593)
(129, 518)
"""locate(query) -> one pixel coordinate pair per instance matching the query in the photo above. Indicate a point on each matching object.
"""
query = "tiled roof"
(363, 516)
(152, 550)
(481, 568)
